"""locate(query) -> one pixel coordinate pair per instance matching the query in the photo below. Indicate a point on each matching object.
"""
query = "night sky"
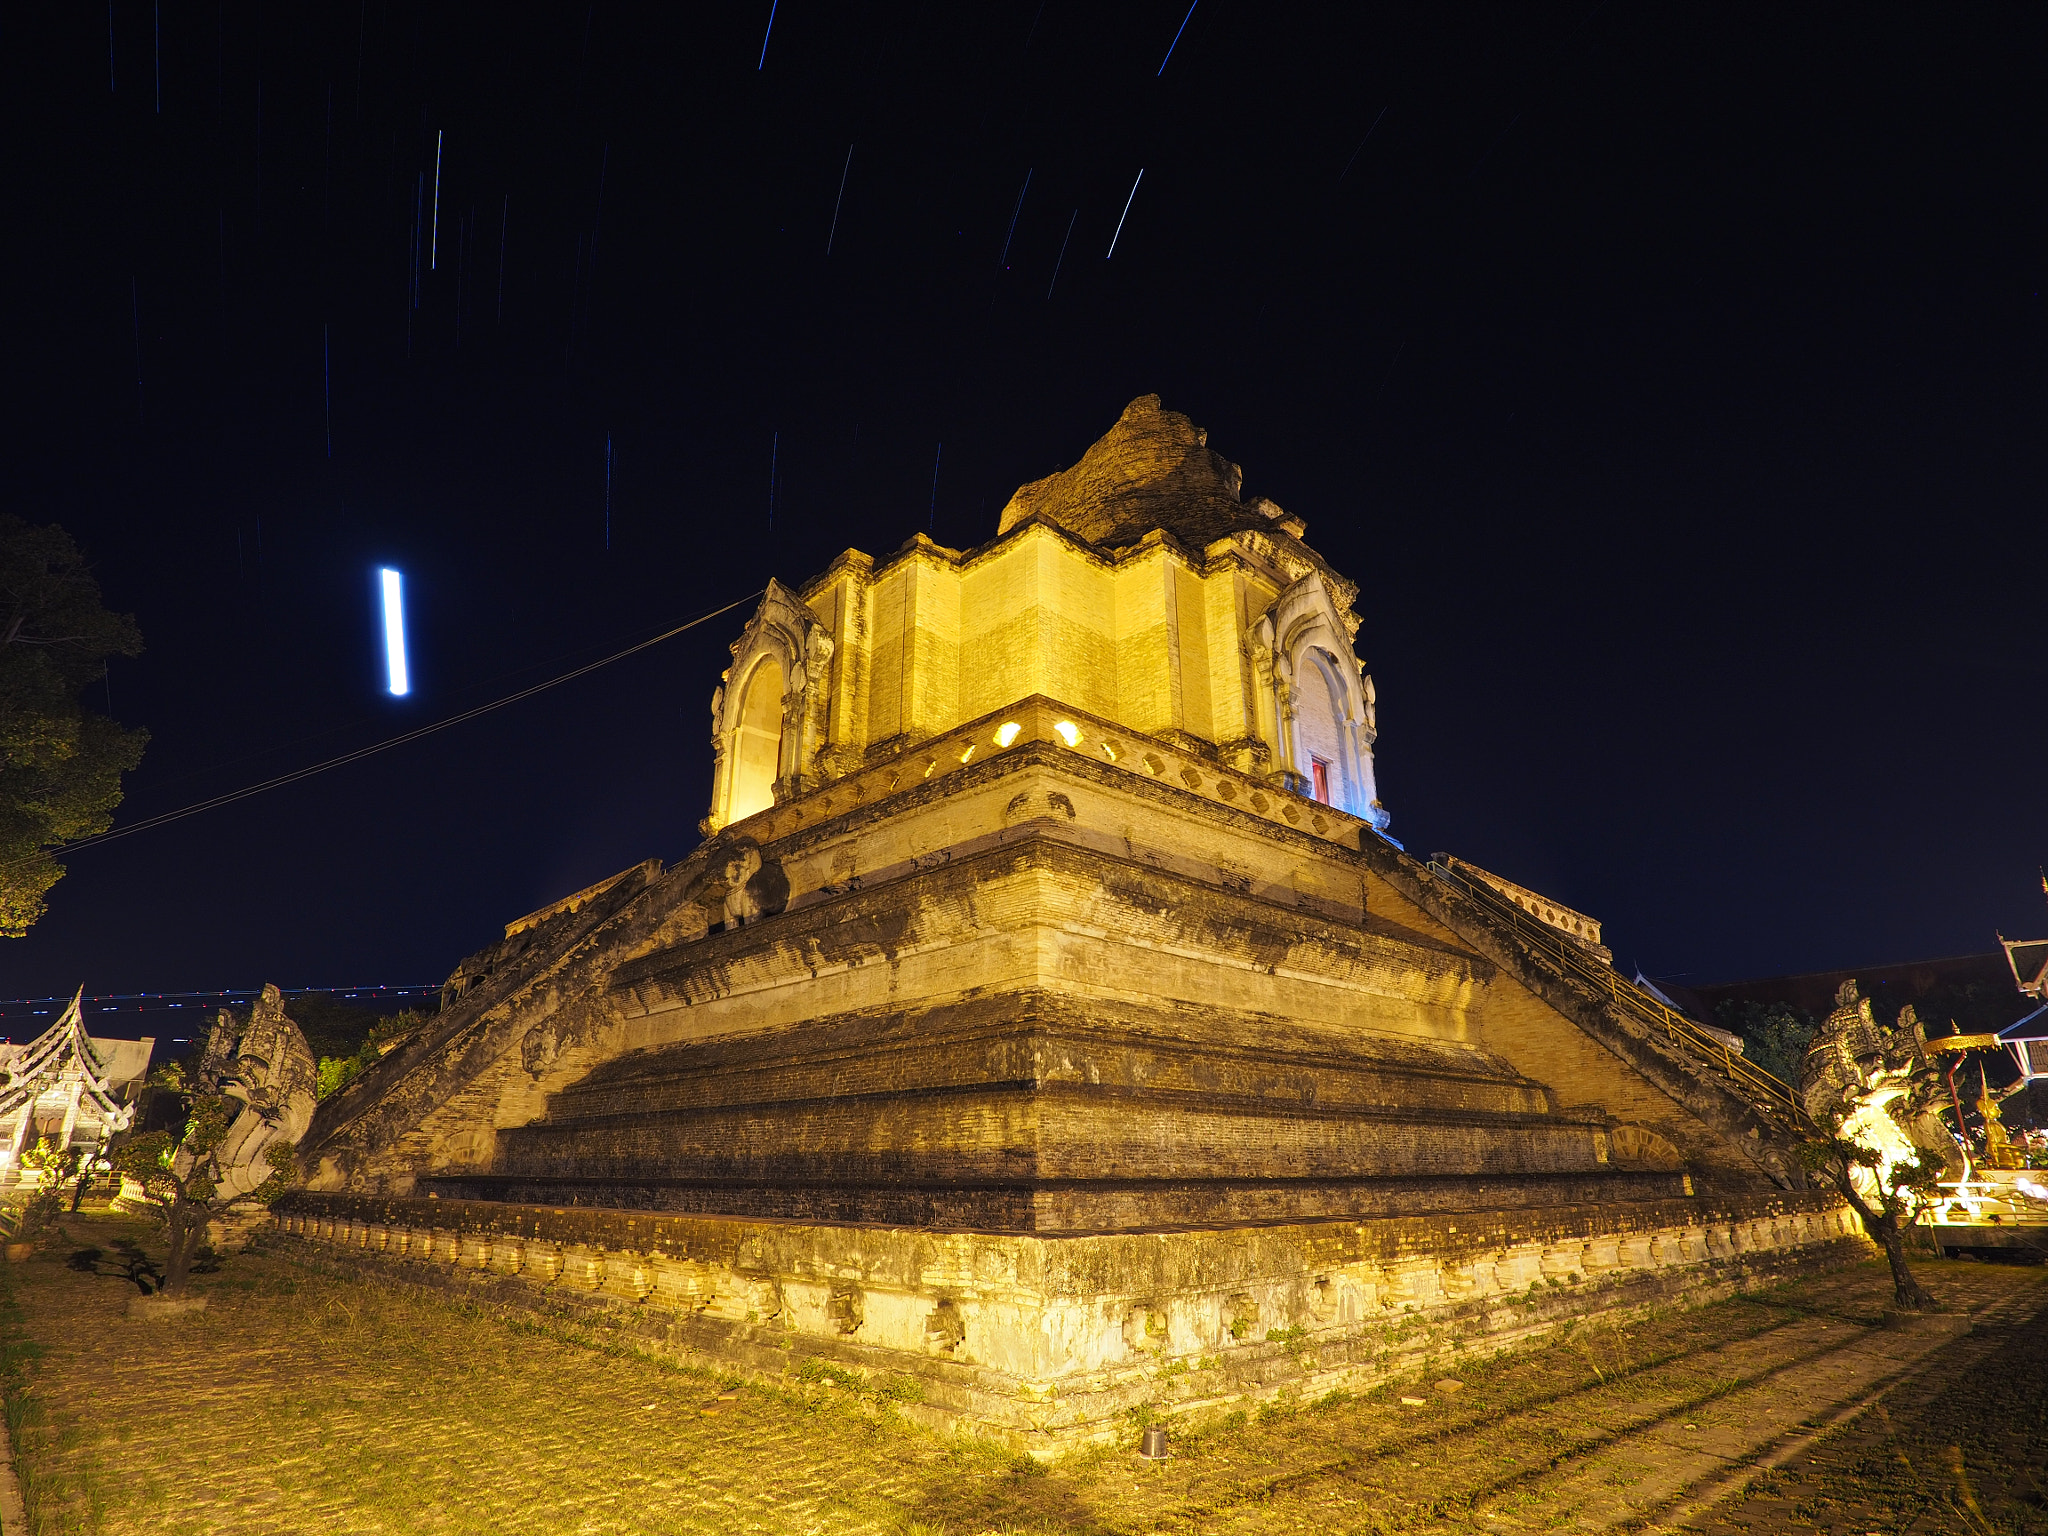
(1670, 377)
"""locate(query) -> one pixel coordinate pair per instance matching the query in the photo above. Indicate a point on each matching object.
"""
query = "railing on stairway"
(1772, 1098)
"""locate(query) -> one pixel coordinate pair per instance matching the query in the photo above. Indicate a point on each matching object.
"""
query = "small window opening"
(1320, 771)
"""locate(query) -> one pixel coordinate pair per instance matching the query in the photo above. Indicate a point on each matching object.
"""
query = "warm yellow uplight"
(1068, 732)
(1007, 733)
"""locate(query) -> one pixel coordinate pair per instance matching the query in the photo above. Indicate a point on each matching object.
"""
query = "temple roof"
(64, 1053)
(1153, 469)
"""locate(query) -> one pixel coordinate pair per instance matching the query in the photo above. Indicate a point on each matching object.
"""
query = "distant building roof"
(1815, 991)
(2028, 959)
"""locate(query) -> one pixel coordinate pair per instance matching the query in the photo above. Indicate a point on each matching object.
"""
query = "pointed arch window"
(1320, 728)
(757, 742)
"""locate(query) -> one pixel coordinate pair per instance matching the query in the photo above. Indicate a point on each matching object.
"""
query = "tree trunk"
(187, 1232)
(1908, 1294)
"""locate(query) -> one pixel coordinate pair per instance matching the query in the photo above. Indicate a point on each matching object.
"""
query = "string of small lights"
(125, 1004)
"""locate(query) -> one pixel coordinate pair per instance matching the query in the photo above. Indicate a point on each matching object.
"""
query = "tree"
(182, 1177)
(1870, 1092)
(247, 1101)
(1887, 1193)
(82, 1170)
(60, 765)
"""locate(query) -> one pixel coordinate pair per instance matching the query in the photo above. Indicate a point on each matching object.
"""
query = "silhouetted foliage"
(60, 765)
(1775, 1035)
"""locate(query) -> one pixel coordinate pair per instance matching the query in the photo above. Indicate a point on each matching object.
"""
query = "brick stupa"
(1048, 1010)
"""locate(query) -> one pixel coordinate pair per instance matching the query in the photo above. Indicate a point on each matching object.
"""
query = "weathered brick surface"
(304, 1401)
(1047, 1342)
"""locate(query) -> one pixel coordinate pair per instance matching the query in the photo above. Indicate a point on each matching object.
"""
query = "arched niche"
(1637, 1146)
(1323, 741)
(769, 714)
(1320, 709)
(757, 741)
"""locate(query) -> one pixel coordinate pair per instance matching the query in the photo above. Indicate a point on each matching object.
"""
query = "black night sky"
(1671, 378)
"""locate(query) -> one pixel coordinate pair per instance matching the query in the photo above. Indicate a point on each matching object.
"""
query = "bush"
(31, 1217)
(337, 1072)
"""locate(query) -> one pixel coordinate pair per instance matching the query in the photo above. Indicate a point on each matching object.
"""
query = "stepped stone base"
(1047, 1343)
(1024, 1110)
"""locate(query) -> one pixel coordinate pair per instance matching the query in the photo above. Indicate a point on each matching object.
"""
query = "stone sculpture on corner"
(267, 1065)
(1874, 1086)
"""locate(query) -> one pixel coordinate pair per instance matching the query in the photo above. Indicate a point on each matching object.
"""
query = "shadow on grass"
(1958, 1449)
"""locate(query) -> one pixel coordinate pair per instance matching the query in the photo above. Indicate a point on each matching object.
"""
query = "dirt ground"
(309, 1399)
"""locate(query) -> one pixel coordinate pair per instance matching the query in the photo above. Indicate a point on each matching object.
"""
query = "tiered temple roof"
(67, 1086)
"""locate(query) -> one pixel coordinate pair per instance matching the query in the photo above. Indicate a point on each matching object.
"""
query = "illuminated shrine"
(68, 1089)
(1998, 1203)
(1048, 1016)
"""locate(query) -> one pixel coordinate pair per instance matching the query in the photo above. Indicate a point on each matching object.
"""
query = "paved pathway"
(306, 1400)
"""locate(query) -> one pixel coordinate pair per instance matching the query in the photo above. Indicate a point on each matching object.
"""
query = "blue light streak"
(844, 170)
(1176, 39)
(434, 251)
(1062, 257)
(1125, 214)
(394, 632)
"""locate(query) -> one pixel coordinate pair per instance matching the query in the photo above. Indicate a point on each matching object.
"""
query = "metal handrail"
(1771, 1096)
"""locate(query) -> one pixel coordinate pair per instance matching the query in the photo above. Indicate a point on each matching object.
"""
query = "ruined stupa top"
(1153, 469)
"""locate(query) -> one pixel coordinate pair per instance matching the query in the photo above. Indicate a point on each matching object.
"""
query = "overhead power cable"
(213, 769)
(360, 753)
